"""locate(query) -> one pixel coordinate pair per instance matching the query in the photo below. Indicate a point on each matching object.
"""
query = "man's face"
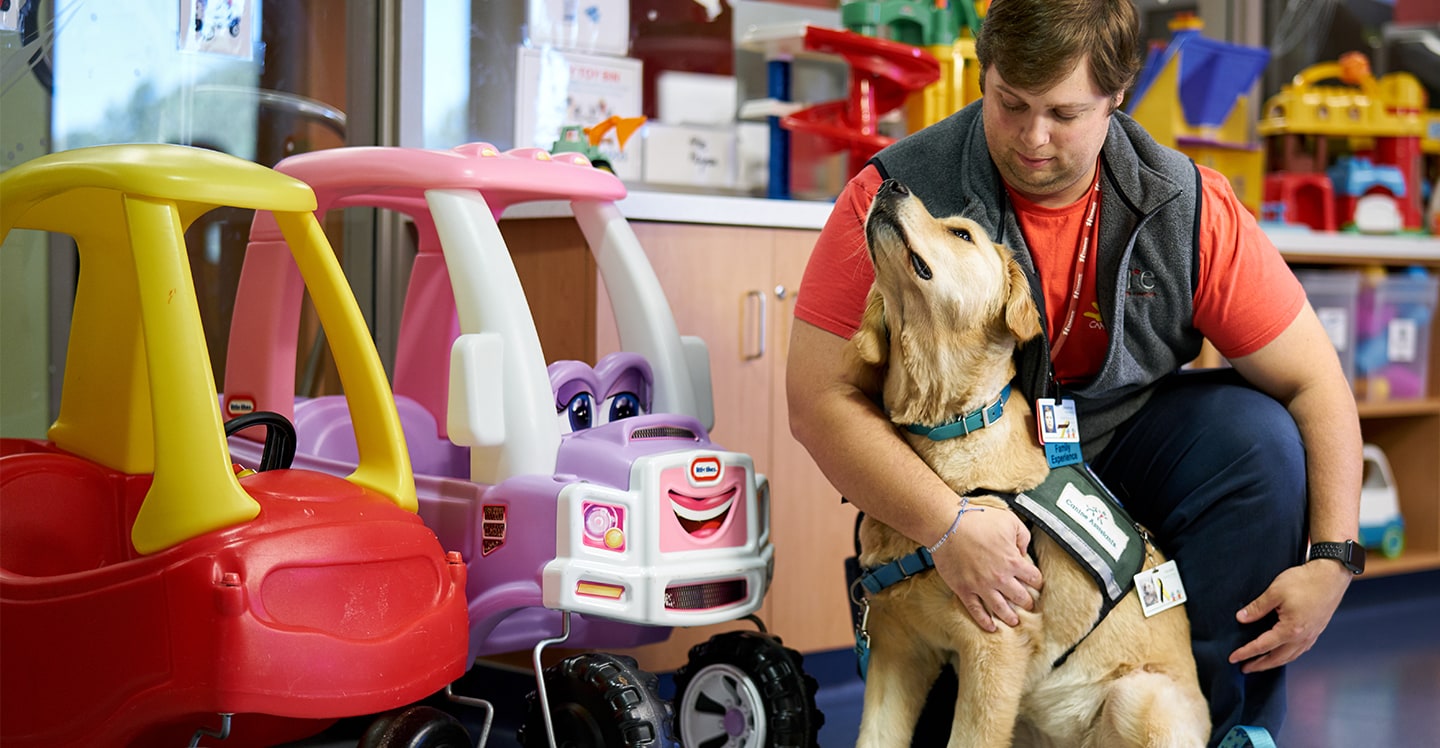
(1046, 143)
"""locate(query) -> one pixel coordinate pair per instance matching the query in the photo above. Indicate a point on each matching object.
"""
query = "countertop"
(674, 207)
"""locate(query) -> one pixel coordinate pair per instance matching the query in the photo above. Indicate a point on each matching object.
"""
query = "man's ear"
(872, 340)
(1021, 314)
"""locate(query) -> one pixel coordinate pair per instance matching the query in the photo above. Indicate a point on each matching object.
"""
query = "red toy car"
(152, 591)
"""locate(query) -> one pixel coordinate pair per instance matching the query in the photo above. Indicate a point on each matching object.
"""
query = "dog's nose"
(895, 186)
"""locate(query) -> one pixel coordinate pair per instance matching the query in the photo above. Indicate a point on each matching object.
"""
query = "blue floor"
(1372, 679)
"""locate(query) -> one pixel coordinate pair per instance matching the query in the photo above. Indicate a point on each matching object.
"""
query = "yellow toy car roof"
(139, 392)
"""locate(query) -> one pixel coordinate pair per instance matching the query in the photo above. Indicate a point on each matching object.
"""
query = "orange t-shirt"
(1245, 297)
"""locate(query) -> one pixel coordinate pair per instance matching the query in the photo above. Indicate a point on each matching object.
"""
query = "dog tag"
(1159, 588)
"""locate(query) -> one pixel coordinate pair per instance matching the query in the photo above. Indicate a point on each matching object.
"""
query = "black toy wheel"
(280, 439)
(598, 700)
(745, 688)
(416, 727)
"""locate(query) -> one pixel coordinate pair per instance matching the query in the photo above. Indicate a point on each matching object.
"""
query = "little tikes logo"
(240, 405)
(705, 469)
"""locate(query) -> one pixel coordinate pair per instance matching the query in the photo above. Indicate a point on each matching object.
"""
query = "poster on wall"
(557, 89)
(220, 27)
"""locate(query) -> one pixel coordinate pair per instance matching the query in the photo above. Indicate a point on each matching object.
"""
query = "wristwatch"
(1349, 553)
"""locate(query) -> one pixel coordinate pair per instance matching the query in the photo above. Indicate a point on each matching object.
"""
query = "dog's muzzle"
(884, 215)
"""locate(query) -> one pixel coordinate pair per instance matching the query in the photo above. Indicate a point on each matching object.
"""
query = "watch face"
(1355, 556)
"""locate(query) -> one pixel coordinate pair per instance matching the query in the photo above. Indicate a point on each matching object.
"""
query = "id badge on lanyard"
(1059, 430)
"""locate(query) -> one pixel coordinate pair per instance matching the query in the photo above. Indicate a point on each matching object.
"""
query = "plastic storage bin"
(1392, 353)
(1335, 294)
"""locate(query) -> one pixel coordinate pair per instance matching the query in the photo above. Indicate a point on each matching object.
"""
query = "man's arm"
(863, 456)
(1300, 369)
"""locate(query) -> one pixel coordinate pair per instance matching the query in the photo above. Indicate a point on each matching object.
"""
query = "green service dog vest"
(1074, 508)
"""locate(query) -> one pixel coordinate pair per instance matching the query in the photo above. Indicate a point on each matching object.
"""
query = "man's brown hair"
(1034, 44)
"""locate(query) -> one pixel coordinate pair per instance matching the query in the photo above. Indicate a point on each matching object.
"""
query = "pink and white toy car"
(589, 503)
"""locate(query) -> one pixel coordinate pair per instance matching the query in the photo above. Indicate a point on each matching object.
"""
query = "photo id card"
(1159, 588)
(1056, 420)
(1059, 431)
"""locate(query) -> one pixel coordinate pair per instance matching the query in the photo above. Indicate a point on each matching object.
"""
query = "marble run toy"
(589, 503)
(150, 589)
(883, 74)
(1381, 119)
(1191, 97)
(944, 29)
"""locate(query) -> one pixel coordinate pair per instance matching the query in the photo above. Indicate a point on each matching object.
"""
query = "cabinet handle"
(760, 326)
(781, 292)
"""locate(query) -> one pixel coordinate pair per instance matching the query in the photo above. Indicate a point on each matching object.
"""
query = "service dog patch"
(1075, 508)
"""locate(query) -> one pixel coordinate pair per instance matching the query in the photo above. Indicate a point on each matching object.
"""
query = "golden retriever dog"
(942, 321)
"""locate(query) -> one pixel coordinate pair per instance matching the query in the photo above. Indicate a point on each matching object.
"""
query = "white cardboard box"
(690, 156)
(601, 26)
(555, 89)
(684, 98)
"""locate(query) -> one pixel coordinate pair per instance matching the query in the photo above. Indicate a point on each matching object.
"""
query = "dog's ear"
(1021, 314)
(872, 340)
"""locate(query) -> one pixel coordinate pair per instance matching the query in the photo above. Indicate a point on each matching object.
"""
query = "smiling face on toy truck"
(497, 475)
(650, 491)
(136, 559)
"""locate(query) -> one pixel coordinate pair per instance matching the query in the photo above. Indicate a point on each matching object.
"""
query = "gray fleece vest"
(1147, 258)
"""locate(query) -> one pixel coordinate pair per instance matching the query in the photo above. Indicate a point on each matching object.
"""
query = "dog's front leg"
(991, 669)
(902, 670)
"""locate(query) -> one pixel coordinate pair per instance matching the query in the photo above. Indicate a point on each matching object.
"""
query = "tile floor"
(1372, 679)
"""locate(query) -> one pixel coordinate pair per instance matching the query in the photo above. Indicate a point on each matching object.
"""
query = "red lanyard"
(1079, 270)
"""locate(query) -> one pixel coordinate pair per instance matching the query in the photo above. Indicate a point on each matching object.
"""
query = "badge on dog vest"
(1074, 507)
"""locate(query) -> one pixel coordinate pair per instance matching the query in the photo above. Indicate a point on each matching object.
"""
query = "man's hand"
(1304, 598)
(986, 566)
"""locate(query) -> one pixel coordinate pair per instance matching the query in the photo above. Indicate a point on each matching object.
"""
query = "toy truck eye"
(622, 405)
(579, 414)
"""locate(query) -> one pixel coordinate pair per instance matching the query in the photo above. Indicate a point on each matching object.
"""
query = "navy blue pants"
(1216, 470)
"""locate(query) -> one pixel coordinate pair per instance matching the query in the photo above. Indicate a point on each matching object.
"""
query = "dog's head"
(940, 283)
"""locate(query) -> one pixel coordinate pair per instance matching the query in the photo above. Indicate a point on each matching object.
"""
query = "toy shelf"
(1356, 249)
(1408, 430)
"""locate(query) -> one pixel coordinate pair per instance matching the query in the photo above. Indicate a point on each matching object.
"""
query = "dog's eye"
(921, 269)
(962, 233)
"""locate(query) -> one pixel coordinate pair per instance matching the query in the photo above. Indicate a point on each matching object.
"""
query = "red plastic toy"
(150, 590)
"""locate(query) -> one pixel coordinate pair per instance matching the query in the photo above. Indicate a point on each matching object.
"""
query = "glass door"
(260, 80)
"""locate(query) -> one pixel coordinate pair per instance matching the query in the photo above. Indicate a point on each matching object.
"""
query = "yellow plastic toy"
(1191, 97)
(959, 84)
(1391, 106)
(139, 392)
(1384, 119)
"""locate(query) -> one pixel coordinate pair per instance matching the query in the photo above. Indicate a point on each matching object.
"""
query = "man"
(1134, 255)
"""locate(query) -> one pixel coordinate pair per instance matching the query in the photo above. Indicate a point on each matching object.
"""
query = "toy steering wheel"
(280, 439)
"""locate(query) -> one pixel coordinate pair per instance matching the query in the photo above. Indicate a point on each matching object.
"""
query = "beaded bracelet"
(964, 507)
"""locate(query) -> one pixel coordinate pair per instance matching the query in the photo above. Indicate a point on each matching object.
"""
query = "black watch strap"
(1349, 553)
